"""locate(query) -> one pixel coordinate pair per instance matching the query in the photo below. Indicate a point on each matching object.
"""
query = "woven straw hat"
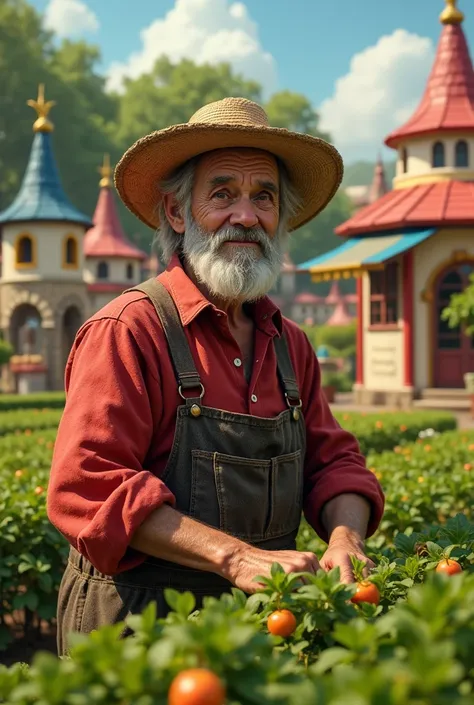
(314, 166)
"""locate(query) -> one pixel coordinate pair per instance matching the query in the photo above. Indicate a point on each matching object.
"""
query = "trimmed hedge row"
(378, 432)
(40, 400)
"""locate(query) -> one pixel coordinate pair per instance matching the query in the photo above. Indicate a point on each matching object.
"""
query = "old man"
(195, 430)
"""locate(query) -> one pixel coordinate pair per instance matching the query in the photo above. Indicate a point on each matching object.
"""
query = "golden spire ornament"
(451, 14)
(106, 173)
(42, 124)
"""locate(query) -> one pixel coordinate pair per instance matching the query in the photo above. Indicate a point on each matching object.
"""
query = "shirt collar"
(190, 301)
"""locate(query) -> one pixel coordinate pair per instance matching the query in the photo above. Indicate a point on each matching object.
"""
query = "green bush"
(25, 421)
(40, 400)
(377, 432)
(419, 652)
(341, 381)
(340, 340)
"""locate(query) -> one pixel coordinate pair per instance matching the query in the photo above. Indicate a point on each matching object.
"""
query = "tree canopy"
(90, 121)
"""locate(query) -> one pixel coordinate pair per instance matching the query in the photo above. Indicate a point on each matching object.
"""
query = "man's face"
(232, 239)
(238, 187)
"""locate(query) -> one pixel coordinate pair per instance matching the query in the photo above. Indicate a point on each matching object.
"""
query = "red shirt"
(117, 428)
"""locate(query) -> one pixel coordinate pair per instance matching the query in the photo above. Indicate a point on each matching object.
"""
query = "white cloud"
(69, 18)
(206, 31)
(381, 91)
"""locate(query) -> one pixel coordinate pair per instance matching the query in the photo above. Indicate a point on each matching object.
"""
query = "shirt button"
(254, 398)
(237, 362)
(265, 316)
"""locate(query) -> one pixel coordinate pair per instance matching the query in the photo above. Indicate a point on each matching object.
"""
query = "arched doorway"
(453, 349)
(72, 321)
(26, 334)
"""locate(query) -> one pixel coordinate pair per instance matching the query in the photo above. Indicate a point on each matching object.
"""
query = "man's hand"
(246, 565)
(342, 544)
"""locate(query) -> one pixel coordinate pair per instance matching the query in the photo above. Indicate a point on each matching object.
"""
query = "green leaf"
(332, 657)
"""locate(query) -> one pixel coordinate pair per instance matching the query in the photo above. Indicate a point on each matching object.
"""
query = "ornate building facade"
(58, 265)
(413, 247)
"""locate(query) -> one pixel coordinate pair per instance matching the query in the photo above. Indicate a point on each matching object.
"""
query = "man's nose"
(244, 214)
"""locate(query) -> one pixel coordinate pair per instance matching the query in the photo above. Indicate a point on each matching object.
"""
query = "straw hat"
(315, 167)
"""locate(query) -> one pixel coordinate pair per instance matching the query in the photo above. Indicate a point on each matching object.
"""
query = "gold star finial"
(42, 107)
(106, 173)
(451, 14)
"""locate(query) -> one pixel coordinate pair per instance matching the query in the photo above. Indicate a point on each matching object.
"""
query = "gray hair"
(168, 241)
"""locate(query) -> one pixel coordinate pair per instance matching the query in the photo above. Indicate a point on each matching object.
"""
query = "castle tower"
(412, 249)
(43, 297)
(112, 262)
(436, 145)
(378, 187)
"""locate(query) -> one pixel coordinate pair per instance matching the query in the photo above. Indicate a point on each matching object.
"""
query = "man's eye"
(265, 196)
(221, 195)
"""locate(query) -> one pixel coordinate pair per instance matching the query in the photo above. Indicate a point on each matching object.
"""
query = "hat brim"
(315, 167)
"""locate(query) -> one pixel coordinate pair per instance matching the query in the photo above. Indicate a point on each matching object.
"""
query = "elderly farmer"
(195, 431)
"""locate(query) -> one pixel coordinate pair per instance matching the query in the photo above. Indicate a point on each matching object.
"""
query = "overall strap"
(286, 372)
(186, 373)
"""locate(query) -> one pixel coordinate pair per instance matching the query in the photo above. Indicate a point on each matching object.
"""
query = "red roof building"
(112, 262)
(107, 238)
(413, 247)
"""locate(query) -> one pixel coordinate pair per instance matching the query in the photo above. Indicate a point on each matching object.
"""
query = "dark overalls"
(239, 473)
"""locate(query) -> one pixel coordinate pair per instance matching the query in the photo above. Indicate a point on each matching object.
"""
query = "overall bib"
(239, 473)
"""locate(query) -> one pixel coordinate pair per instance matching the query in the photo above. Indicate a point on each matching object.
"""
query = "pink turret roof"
(334, 295)
(306, 297)
(448, 101)
(107, 238)
(340, 315)
(379, 186)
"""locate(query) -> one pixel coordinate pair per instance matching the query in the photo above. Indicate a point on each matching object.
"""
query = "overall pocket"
(250, 499)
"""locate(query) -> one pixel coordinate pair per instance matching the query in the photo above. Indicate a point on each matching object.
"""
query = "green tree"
(171, 93)
(295, 112)
(317, 237)
(460, 311)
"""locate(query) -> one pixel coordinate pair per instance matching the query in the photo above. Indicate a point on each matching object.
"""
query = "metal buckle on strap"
(180, 390)
(295, 407)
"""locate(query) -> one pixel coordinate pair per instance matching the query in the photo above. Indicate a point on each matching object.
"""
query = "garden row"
(33, 553)
(415, 647)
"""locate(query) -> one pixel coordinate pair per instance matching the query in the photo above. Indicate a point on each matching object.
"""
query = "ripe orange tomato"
(281, 623)
(366, 592)
(196, 686)
(39, 490)
(448, 566)
(18, 473)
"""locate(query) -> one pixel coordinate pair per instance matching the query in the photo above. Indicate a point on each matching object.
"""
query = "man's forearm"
(172, 536)
(346, 514)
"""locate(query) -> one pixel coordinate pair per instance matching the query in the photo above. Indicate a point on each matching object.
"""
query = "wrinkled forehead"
(237, 161)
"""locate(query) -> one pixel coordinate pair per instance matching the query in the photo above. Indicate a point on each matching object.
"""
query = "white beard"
(234, 273)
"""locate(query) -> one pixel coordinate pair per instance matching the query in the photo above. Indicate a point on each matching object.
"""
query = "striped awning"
(359, 254)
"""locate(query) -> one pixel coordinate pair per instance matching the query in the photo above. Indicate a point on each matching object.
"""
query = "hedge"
(40, 400)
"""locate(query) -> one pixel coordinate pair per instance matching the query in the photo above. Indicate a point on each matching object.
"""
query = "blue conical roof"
(41, 196)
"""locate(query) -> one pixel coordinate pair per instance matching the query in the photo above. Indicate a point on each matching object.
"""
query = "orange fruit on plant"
(39, 490)
(448, 566)
(196, 686)
(366, 592)
(281, 623)
(18, 473)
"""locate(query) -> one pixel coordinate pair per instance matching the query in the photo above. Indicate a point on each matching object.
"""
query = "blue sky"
(362, 64)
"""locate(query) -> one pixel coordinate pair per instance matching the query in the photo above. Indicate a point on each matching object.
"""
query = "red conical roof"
(448, 101)
(107, 238)
(340, 315)
(334, 295)
(379, 186)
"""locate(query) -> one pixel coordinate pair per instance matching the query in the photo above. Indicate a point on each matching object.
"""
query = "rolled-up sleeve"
(334, 464)
(99, 491)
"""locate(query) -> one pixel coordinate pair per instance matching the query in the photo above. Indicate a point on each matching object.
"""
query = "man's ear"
(173, 212)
